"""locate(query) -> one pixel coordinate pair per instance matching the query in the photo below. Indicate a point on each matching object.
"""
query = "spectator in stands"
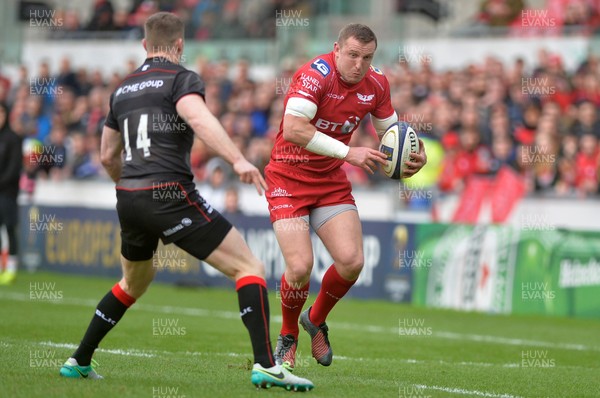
(473, 157)
(53, 162)
(258, 151)
(31, 122)
(543, 155)
(121, 20)
(499, 125)
(444, 119)
(567, 168)
(217, 177)
(66, 77)
(587, 88)
(85, 153)
(20, 85)
(98, 98)
(102, 16)
(450, 180)
(500, 12)
(71, 21)
(244, 127)
(587, 120)
(575, 13)
(5, 84)
(587, 163)
(525, 132)
(469, 120)
(231, 207)
(503, 153)
(70, 110)
(83, 81)
(11, 159)
(45, 87)
(259, 114)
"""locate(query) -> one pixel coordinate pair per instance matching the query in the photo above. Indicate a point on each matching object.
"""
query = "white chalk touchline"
(129, 353)
(155, 353)
(201, 312)
(466, 392)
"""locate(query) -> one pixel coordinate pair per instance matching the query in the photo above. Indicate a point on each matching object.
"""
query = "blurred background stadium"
(505, 94)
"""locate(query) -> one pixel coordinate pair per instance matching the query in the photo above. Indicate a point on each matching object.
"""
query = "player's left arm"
(111, 148)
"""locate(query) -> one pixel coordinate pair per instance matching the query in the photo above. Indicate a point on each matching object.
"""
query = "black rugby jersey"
(156, 141)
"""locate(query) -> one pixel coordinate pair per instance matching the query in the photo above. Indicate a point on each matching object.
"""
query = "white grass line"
(154, 353)
(428, 362)
(465, 392)
(512, 341)
(200, 312)
(129, 353)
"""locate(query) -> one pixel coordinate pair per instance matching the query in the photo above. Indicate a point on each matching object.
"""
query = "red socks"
(292, 300)
(333, 288)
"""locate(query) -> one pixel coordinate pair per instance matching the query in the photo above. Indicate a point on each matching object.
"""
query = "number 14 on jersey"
(142, 141)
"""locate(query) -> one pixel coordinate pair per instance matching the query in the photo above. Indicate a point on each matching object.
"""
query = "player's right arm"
(111, 147)
(298, 130)
(207, 128)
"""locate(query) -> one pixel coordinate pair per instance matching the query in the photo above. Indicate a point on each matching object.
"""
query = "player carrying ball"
(327, 99)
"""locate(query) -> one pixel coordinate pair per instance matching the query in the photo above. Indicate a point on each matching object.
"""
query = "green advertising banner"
(558, 273)
(469, 267)
(503, 269)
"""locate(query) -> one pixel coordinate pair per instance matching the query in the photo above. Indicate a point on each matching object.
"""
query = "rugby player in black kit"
(146, 141)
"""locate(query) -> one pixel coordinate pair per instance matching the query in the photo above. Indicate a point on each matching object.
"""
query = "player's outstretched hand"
(418, 161)
(249, 174)
(365, 158)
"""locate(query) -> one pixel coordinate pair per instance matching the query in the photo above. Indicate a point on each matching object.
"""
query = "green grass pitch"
(182, 342)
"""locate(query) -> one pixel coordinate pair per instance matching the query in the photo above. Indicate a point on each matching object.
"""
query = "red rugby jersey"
(340, 108)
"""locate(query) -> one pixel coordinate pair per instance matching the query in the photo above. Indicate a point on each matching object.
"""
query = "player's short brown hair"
(161, 30)
(360, 32)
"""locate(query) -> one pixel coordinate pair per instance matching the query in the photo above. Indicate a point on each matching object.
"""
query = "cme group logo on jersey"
(133, 88)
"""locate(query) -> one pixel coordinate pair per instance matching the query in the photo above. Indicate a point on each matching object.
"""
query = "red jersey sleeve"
(384, 107)
(310, 81)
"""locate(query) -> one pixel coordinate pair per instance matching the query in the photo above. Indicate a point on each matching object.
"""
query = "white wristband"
(322, 144)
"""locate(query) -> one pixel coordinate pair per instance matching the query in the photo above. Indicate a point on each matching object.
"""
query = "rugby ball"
(397, 143)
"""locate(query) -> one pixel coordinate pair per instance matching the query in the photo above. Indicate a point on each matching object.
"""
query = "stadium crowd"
(558, 17)
(204, 19)
(539, 120)
(231, 19)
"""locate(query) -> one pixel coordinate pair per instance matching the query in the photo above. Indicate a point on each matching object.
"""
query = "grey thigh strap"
(321, 215)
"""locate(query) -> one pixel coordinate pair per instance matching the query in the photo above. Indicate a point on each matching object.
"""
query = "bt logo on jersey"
(326, 125)
(346, 127)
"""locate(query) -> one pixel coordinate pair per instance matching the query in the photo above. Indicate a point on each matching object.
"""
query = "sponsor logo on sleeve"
(321, 66)
(376, 70)
(309, 83)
